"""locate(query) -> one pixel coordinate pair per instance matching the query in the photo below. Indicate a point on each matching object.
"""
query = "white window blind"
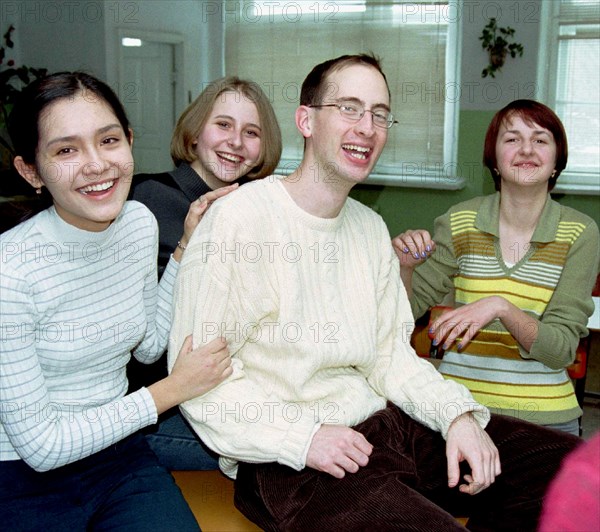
(569, 77)
(276, 44)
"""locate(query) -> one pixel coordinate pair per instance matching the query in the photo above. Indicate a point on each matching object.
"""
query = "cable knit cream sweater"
(318, 325)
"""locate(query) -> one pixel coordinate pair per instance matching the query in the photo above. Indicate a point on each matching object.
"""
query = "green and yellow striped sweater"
(552, 282)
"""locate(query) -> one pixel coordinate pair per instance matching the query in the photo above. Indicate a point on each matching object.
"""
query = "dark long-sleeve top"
(168, 195)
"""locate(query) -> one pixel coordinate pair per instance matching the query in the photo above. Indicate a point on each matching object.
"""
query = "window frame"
(580, 183)
(445, 174)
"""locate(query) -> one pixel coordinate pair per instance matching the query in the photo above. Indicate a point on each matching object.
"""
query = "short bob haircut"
(531, 112)
(194, 118)
(315, 87)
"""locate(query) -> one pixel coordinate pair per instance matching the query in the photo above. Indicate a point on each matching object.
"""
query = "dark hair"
(531, 112)
(24, 120)
(314, 86)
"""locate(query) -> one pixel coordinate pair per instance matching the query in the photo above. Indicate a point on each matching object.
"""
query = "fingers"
(358, 452)
(215, 354)
(204, 201)
(199, 207)
(213, 195)
(214, 345)
(466, 320)
(482, 477)
(460, 324)
(453, 471)
(338, 450)
(468, 333)
(471, 487)
(466, 440)
(186, 347)
(351, 458)
(417, 243)
(441, 330)
(449, 331)
(473, 483)
(355, 456)
(450, 326)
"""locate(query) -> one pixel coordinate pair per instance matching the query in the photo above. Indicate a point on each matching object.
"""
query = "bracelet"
(181, 246)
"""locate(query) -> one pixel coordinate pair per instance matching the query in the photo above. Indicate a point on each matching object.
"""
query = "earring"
(497, 172)
(38, 191)
(553, 174)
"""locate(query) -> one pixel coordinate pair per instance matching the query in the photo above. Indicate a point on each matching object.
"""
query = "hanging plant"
(496, 41)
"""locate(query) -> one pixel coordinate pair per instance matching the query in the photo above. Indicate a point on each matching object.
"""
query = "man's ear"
(304, 117)
(28, 172)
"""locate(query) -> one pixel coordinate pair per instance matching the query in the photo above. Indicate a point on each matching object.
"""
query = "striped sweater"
(74, 306)
(552, 282)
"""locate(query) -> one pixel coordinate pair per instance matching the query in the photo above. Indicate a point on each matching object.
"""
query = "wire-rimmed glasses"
(355, 111)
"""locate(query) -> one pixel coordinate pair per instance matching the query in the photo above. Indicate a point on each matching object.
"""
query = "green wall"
(411, 208)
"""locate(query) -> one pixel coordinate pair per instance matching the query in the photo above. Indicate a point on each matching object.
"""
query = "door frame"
(174, 39)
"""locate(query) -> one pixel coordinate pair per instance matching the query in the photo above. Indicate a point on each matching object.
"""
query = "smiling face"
(525, 153)
(84, 159)
(343, 149)
(228, 146)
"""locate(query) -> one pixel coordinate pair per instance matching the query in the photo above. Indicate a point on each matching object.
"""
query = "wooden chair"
(421, 339)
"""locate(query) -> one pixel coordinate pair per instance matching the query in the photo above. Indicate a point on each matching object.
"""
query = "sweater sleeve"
(158, 305)
(46, 434)
(565, 318)
(399, 374)
(218, 295)
(432, 279)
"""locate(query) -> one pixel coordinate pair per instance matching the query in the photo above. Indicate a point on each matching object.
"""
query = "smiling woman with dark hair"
(79, 298)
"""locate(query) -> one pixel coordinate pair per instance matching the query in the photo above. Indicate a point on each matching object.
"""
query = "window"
(276, 44)
(568, 77)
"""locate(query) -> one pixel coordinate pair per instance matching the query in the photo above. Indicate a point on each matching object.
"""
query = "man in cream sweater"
(330, 421)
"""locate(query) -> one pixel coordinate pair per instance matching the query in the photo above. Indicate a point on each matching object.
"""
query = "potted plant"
(12, 80)
(496, 41)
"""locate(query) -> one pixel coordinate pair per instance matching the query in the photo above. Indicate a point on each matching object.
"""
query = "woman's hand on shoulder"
(413, 247)
(195, 372)
(195, 214)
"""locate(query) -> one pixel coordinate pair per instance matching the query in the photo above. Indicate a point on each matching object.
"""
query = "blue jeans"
(172, 439)
(120, 488)
(572, 427)
(177, 446)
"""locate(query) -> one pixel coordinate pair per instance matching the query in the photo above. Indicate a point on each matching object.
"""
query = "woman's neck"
(210, 179)
(521, 209)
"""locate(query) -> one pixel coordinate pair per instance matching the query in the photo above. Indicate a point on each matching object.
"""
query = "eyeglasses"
(355, 111)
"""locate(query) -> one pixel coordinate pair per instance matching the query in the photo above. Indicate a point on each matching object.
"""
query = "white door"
(147, 92)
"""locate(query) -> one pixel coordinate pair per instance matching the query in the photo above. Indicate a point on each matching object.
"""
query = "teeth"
(232, 158)
(98, 187)
(358, 152)
(353, 147)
